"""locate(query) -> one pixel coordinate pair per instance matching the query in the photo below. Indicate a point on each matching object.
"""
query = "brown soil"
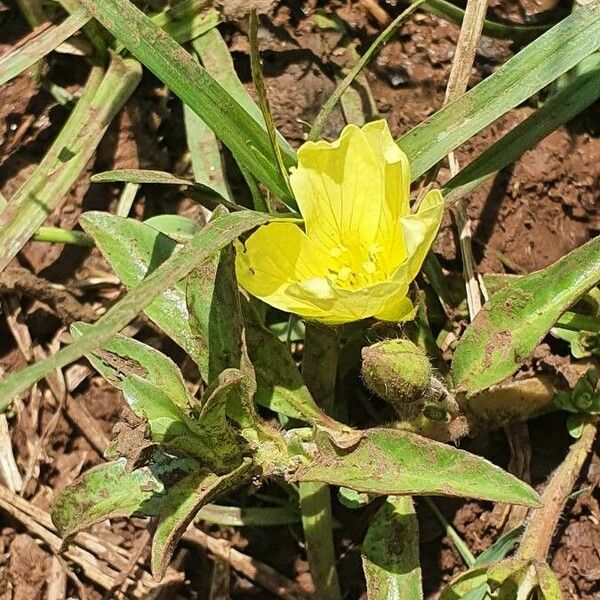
(532, 214)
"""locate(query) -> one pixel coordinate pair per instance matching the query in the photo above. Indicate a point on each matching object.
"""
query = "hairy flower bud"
(398, 372)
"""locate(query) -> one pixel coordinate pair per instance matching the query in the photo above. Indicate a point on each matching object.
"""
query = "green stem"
(384, 36)
(577, 322)
(319, 363)
(43, 192)
(56, 235)
(319, 369)
(315, 508)
(518, 33)
(458, 542)
(233, 516)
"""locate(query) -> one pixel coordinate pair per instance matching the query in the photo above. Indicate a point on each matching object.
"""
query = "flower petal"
(340, 188)
(344, 306)
(420, 229)
(397, 169)
(274, 258)
(399, 308)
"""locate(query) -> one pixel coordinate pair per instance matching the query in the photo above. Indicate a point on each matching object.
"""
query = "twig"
(141, 546)
(9, 472)
(67, 307)
(462, 64)
(250, 568)
(79, 415)
(540, 529)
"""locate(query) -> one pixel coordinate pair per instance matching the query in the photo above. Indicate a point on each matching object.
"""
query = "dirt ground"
(530, 215)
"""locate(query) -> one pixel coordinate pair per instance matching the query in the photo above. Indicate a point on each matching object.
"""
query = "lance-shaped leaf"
(214, 236)
(392, 462)
(154, 389)
(179, 506)
(517, 317)
(280, 386)
(545, 59)
(215, 314)
(112, 490)
(133, 250)
(390, 552)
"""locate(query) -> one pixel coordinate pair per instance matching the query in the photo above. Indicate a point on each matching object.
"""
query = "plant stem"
(319, 369)
(43, 192)
(319, 363)
(458, 542)
(382, 38)
(56, 235)
(542, 523)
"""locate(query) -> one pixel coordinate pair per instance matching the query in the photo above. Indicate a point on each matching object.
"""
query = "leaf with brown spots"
(518, 316)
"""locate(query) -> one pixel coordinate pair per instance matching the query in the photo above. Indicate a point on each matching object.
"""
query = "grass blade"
(545, 59)
(517, 33)
(237, 129)
(41, 42)
(315, 510)
(209, 240)
(43, 191)
(384, 36)
(576, 96)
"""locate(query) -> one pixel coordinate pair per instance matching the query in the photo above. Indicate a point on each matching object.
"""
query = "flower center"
(353, 264)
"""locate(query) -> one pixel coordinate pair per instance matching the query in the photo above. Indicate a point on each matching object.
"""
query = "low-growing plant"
(328, 260)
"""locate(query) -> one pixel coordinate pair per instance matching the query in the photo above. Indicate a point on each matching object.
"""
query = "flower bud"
(398, 372)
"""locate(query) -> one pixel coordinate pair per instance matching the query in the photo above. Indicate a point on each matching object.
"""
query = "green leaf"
(212, 238)
(232, 124)
(390, 552)
(133, 250)
(139, 176)
(155, 391)
(187, 19)
(473, 581)
(103, 492)
(517, 317)
(39, 44)
(215, 314)
(111, 490)
(548, 584)
(545, 59)
(501, 547)
(177, 227)
(560, 108)
(179, 506)
(279, 384)
(391, 462)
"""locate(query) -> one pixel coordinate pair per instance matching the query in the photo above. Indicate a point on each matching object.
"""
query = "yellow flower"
(362, 245)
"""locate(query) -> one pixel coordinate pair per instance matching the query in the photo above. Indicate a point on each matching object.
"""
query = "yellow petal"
(397, 169)
(341, 189)
(399, 308)
(420, 230)
(276, 257)
(344, 306)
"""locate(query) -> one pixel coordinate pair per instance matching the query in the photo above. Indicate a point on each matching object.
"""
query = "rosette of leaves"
(176, 451)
